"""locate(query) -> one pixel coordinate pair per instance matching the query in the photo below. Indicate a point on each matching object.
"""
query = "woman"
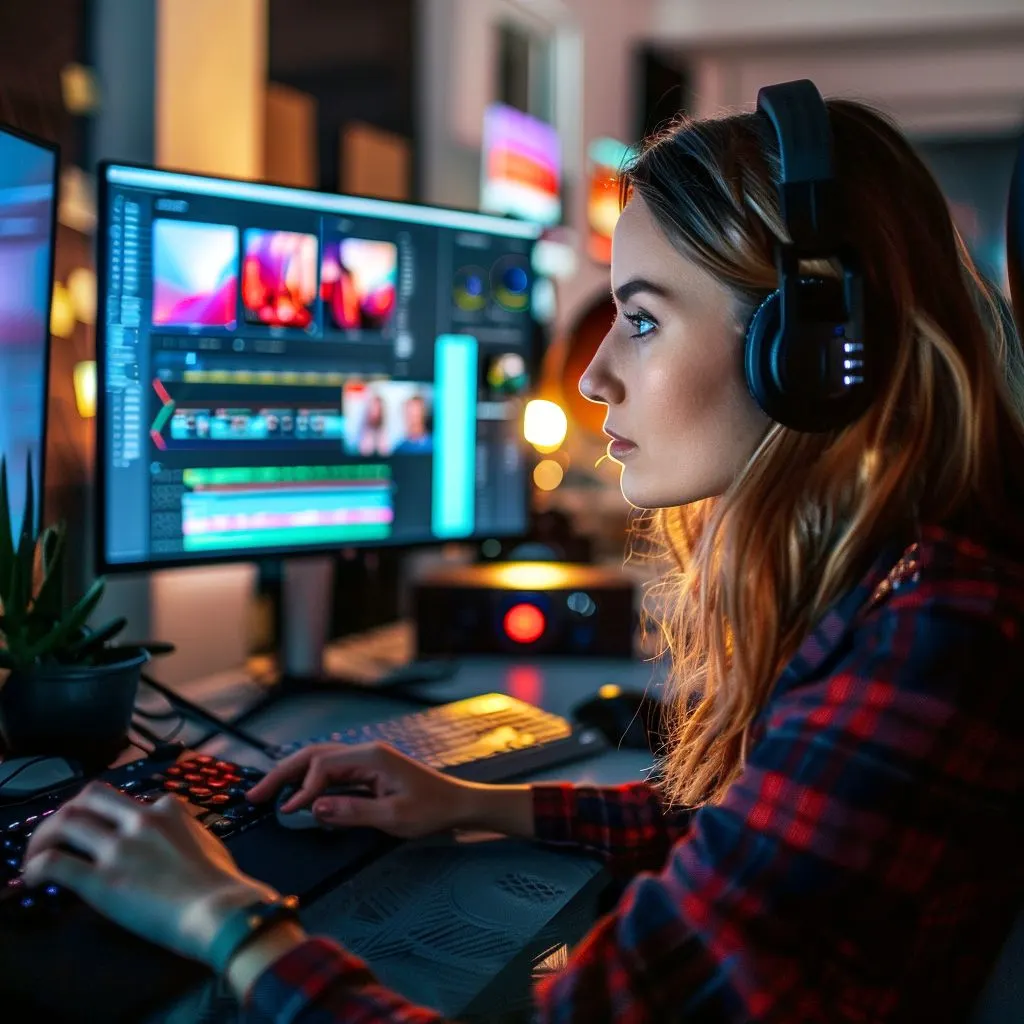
(373, 430)
(835, 833)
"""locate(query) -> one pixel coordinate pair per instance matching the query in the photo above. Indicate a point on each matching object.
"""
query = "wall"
(965, 85)
(594, 96)
(211, 60)
(713, 21)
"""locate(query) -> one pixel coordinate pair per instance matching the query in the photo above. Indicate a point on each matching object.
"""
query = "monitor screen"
(283, 371)
(521, 166)
(28, 189)
(606, 159)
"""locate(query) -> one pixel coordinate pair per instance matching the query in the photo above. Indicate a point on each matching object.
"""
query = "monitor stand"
(304, 620)
(304, 614)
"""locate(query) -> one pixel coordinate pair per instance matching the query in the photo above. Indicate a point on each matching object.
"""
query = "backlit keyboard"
(59, 960)
(490, 738)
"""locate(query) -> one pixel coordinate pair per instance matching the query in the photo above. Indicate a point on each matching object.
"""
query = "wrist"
(467, 809)
(506, 809)
(206, 917)
(250, 962)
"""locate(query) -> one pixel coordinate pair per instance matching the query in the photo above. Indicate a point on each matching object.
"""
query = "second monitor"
(284, 371)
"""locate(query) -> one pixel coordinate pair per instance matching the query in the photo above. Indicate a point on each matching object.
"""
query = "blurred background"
(524, 108)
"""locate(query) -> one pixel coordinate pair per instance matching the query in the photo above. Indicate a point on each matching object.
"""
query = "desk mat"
(460, 926)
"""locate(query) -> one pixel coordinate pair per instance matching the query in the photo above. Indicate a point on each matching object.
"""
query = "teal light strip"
(455, 387)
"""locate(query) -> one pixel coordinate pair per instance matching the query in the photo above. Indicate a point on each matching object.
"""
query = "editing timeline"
(286, 369)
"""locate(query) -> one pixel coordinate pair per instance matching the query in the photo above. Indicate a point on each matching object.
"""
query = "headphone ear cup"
(760, 357)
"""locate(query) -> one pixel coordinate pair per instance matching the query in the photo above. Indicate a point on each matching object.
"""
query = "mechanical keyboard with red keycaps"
(61, 961)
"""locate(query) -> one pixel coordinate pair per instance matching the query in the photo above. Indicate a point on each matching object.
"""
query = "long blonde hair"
(751, 571)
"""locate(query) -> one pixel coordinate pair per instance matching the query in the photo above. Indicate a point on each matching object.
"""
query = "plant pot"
(80, 712)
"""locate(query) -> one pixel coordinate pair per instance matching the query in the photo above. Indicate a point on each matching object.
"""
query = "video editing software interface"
(284, 370)
(28, 186)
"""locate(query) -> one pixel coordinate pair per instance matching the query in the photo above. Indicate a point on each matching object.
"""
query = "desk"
(482, 889)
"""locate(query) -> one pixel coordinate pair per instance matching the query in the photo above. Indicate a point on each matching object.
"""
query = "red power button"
(524, 623)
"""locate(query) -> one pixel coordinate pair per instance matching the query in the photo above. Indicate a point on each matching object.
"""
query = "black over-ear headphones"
(808, 363)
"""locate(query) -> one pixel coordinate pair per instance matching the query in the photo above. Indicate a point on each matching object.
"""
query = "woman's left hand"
(149, 867)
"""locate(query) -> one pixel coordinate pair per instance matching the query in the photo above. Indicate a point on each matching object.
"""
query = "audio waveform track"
(271, 506)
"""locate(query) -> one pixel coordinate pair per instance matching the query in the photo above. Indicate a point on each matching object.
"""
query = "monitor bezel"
(54, 149)
(189, 561)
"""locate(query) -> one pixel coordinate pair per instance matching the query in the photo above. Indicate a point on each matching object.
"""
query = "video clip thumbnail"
(195, 274)
(388, 418)
(359, 283)
(279, 278)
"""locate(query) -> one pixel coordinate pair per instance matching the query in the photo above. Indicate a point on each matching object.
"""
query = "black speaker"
(525, 608)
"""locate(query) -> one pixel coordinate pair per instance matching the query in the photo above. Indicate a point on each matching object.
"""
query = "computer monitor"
(28, 214)
(283, 371)
(520, 166)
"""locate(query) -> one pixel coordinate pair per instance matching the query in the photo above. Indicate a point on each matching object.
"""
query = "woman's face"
(375, 411)
(670, 371)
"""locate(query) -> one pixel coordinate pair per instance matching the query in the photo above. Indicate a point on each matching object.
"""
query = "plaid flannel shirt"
(866, 865)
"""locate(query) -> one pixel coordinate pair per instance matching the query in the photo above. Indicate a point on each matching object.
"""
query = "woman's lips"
(620, 446)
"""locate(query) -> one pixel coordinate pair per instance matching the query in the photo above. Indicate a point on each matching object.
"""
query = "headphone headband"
(799, 117)
(808, 363)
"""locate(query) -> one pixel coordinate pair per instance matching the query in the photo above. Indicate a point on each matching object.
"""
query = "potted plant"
(69, 691)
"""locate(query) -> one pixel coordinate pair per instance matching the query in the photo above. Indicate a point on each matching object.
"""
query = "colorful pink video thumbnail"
(195, 274)
(279, 278)
(359, 283)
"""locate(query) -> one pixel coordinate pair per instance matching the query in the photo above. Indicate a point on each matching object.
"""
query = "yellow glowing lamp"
(547, 474)
(62, 312)
(85, 389)
(544, 424)
(82, 290)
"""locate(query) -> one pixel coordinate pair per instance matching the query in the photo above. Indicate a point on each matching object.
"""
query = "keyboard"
(490, 738)
(59, 960)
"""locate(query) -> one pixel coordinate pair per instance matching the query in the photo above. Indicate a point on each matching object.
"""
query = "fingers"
(59, 867)
(85, 832)
(106, 802)
(316, 780)
(289, 770)
(316, 768)
(354, 812)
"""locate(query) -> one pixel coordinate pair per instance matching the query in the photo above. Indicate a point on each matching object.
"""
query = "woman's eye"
(641, 323)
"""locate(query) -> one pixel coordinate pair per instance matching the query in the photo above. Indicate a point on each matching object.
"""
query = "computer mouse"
(26, 776)
(304, 817)
(630, 719)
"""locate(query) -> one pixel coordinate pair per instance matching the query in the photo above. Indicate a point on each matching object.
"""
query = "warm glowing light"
(524, 623)
(547, 474)
(79, 88)
(85, 389)
(82, 289)
(609, 691)
(544, 424)
(62, 312)
(532, 575)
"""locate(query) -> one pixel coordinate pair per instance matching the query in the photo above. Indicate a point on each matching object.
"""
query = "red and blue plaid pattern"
(866, 865)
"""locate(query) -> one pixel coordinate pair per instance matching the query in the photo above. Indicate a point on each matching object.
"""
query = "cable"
(162, 716)
(144, 731)
(218, 723)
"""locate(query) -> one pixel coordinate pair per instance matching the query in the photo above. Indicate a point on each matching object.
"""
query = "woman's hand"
(409, 800)
(150, 868)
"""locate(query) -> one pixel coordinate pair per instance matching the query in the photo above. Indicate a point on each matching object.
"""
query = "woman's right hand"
(409, 799)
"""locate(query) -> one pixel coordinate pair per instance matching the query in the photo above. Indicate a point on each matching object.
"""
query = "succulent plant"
(38, 626)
